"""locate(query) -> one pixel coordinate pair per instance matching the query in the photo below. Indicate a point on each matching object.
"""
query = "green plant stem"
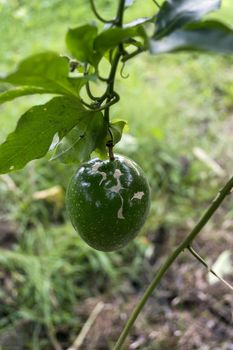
(110, 95)
(133, 54)
(86, 104)
(171, 258)
(119, 52)
(89, 93)
(112, 74)
(202, 261)
(120, 13)
(157, 4)
(98, 15)
(110, 103)
(122, 72)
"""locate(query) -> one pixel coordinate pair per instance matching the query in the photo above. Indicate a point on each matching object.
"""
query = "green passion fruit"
(108, 202)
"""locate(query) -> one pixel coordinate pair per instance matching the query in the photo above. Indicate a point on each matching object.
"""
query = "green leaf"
(77, 83)
(174, 14)
(48, 71)
(35, 131)
(80, 42)
(82, 140)
(208, 24)
(112, 37)
(116, 129)
(18, 92)
(209, 36)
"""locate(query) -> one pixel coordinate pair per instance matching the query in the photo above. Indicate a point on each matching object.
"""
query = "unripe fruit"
(108, 202)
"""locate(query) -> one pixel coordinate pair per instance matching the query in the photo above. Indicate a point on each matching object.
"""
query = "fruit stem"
(110, 150)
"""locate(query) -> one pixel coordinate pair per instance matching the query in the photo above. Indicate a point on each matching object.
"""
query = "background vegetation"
(179, 114)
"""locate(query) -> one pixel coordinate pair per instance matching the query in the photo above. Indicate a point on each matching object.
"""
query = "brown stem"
(110, 150)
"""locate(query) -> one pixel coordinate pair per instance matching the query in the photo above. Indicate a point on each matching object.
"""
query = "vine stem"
(98, 15)
(202, 261)
(157, 4)
(109, 93)
(226, 190)
(120, 13)
(133, 54)
(111, 79)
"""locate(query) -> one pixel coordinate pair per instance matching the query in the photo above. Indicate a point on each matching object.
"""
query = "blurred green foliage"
(171, 104)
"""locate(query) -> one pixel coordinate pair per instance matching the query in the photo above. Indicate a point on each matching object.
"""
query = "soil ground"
(186, 312)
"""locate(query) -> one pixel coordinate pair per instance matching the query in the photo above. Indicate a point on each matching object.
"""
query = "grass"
(51, 272)
(172, 104)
